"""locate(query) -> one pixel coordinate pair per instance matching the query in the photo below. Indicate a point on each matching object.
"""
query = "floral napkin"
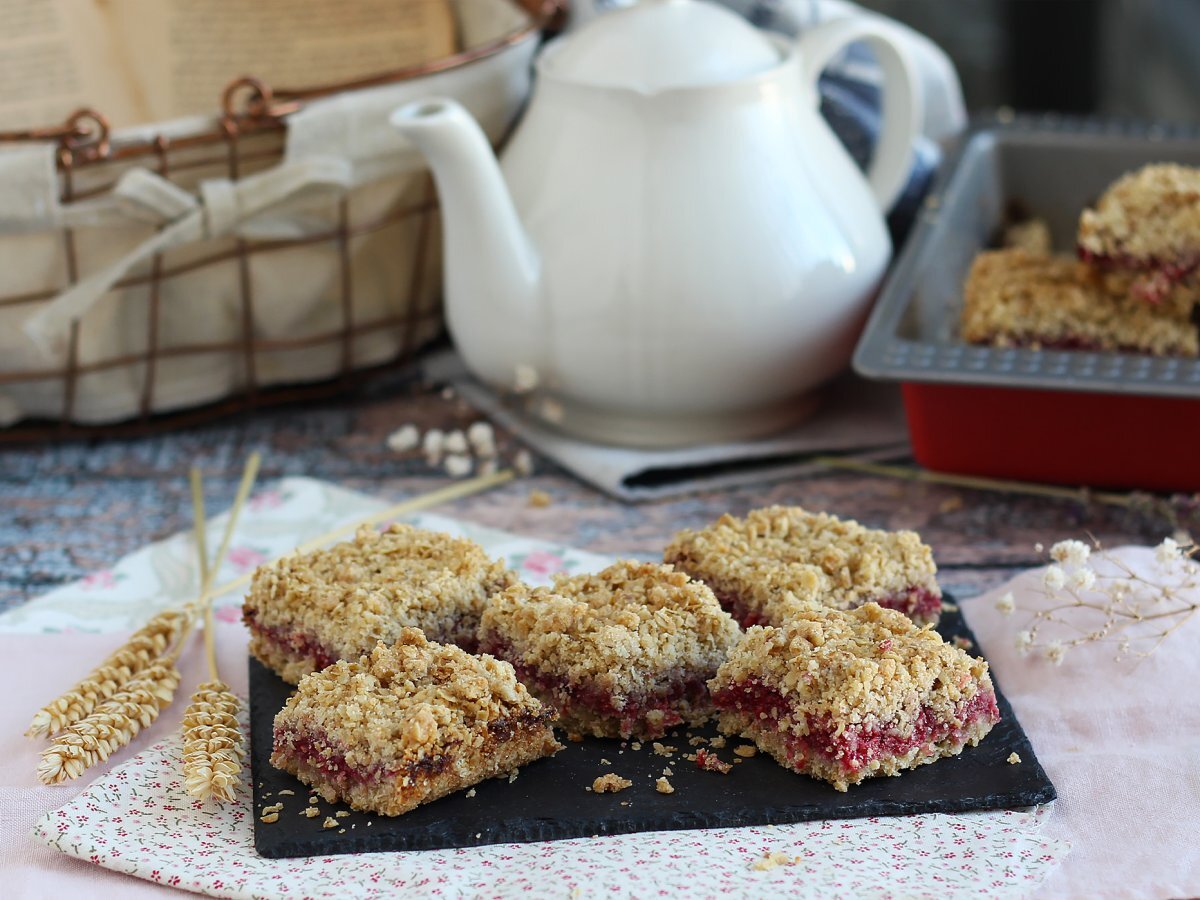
(137, 819)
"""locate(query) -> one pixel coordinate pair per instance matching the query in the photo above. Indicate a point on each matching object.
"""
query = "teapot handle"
(893, 155)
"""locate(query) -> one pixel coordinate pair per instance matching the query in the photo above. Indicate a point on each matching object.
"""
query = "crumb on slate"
(287, 793)
(717, 743)
(330, 822)
(610, 783)
(341, 814)
(746, 750)
(1013, 758)
(697, 741)
(471, 792)
(574, 737)
(663, 786)
(311, 811)
(269, 817)
(710, 762)
(663, 749)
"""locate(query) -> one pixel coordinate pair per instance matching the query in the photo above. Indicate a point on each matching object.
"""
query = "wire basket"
(208, 266)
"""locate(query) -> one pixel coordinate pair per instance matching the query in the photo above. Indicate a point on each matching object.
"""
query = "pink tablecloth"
(36, 668)
(1121, 743)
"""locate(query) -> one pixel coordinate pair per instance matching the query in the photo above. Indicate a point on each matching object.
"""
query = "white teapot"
(674, 241)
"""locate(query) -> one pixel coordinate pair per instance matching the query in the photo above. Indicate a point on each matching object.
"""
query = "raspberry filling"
(306, 646)
(1160, 277)
(643, 709)
(853, 746)
(328, 757)
(316, 750)
(294, 643)
(918, 603)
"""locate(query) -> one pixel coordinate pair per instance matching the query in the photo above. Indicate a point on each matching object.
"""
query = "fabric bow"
(222, 206)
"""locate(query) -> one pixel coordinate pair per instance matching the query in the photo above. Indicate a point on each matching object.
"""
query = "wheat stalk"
(111, 725)
(213, 746)
(141, 651)
(134, 698)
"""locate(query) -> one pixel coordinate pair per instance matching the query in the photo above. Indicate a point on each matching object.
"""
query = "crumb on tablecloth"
(539, 498)
(773, 860)
(610, 783)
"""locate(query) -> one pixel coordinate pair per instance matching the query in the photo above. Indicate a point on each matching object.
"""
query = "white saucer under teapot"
(674, 240)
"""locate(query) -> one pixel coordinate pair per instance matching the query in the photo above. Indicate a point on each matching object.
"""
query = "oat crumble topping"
(344, 599)
(631, 631)
(780, 554)
(1151, 215)
(867, 671)
(610, 783)
(1014, 298)
(403, 708)
(866, 665)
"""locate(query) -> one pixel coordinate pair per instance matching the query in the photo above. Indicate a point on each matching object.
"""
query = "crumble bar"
(1146, 222)
(843, 696)
(408, 724)
(1016, 299)
(622, 653)
(758, 566)
(305, 612)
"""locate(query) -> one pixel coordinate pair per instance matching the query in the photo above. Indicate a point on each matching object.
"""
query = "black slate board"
(547, 801)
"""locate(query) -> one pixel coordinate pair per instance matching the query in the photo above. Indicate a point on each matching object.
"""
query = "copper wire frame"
(249, 108)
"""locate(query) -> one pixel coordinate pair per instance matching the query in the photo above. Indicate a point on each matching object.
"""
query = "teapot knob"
(902, 112)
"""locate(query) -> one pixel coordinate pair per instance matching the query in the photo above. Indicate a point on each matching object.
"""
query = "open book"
(138, 61)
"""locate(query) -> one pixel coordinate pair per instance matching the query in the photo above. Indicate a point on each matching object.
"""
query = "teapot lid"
(662, 44)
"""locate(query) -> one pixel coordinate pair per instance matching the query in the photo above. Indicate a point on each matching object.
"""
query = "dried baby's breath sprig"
(141, 651)
(111, 725)
(1109, 603)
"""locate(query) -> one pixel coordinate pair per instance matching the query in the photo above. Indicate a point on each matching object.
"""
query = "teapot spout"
(491, 268)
